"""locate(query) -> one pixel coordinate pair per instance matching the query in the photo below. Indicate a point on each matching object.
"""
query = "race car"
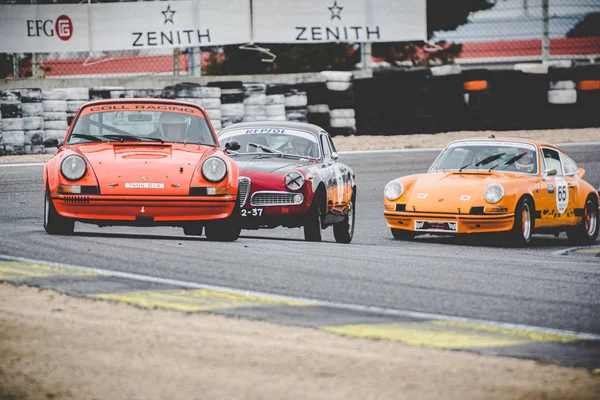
(141, 162)
(509, 185)
(290, 176)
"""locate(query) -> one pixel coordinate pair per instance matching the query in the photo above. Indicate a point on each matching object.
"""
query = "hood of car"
(269, 164)
(140, 169)
(449, 191)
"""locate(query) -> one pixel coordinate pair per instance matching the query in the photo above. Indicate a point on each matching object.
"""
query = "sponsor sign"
(44, 28)
(321, 21)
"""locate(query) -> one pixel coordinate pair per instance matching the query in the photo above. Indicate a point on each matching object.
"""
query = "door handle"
(571, 186)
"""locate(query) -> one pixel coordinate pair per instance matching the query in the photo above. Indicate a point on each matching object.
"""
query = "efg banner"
(47, 28)
(148, 25)
(318, 21)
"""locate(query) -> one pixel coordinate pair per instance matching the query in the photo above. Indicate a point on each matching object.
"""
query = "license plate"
(436, 226)
(251, 212)
(144, 185)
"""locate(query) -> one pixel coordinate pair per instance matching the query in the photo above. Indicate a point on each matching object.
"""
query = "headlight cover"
(294, 180)
(494, 193)
(73, 167)
(393, 190)
(214, 169)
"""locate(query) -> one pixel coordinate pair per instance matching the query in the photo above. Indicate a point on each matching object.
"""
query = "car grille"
(244, 189)
(275, 199)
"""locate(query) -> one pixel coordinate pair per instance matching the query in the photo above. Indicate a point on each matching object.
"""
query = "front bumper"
(153, 208)
(465, 223)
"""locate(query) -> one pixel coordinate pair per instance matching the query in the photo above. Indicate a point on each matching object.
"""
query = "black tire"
(344, 231)
(193, 230)
(402, 234)
(54, 223)
(520, 234)
(226, 230)
(586, 231)
(312, 226)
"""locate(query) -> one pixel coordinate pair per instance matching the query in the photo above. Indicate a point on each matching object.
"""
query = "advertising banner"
(44, 28)
(149, 25)
(318, 21)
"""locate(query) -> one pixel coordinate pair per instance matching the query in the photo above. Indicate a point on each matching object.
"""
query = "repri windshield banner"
(164, 24)
(318, 21)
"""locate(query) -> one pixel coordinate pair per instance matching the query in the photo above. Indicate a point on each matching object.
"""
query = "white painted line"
(355, 307)
(565, 252)
(22, 165)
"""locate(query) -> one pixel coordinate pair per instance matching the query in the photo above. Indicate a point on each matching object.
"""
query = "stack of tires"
(447, 97)
(206, 96)
(142, 93)
(296, 105)
(54, 104)
(478, 101)
(107, 92)
(342, 117)
(588, 94)
(76, 97)
(562, 98)
(33, 120)
(275, 102)
(255, 102)
(318, 103)
(13, 136)
(232, 101)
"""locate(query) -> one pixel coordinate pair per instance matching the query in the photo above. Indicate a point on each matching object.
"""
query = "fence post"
(195, 61)
(365, 56)
(545, 31)
(176, 62)
(35, 65)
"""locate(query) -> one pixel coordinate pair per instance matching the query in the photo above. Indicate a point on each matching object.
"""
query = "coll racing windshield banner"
(321, 21)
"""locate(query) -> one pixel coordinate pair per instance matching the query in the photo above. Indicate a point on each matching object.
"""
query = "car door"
(554, 200)
(327, 173)
(342, 190)
(570, 170)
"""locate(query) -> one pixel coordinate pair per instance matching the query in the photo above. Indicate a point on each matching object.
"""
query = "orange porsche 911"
(141, 162)
(509, 185)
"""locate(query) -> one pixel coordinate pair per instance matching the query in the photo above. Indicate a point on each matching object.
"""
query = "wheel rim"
(351, 219)
(526, 222)
(591, 218)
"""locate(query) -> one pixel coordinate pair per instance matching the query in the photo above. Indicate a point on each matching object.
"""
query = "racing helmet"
(526, 163)
(174, 126)
(299, 145)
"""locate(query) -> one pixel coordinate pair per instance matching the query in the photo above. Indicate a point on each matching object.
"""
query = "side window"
(569, 165)
(326, 146)
(552, 160)
(331, 143)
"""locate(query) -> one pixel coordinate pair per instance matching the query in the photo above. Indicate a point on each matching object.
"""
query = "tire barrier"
(393, 101)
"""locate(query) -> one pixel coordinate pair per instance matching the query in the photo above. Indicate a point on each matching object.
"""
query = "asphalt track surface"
(458, 277)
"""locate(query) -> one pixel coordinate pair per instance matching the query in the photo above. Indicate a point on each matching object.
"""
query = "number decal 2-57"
(562, 195)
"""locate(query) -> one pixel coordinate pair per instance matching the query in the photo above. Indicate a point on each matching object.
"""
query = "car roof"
(511, 139)
(303, 126)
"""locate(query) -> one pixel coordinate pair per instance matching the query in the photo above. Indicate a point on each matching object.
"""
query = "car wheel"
(587, 230)
(343, 231)
(226, 230)
(54, 223)
(312, 226)
(520, 234)
(402, 234)
(193, 230)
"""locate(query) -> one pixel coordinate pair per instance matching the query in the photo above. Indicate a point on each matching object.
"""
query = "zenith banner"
(123, 26)
(318, 21)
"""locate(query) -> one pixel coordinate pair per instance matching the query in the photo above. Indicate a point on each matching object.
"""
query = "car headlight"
(73, 167)
(494, 193)
(294, 180)
(214, 169)
(393, 190)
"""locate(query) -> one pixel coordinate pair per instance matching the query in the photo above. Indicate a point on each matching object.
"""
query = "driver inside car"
(173, 127)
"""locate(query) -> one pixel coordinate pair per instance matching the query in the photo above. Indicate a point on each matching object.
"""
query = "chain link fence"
(501, 31)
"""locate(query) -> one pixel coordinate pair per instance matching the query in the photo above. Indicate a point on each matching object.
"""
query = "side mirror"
(581, 173)
(51, 142)
(549, 172)
(233, 145)
(335, 155)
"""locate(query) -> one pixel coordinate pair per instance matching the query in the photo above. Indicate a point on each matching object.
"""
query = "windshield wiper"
(122, 138)
(485, 161)
(511, 161)
(88, 137)
(265, 148)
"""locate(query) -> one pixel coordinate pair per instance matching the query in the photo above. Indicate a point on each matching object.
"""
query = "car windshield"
(142, 126)
(488, 155)
(276, 141)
